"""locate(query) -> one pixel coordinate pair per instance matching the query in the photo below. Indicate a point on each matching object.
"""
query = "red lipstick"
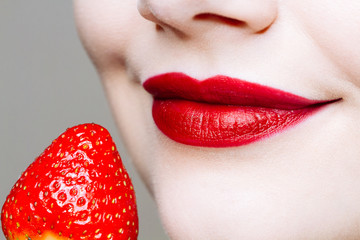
(222, 111)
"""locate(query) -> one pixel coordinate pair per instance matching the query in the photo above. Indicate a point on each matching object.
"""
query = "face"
(287, 165)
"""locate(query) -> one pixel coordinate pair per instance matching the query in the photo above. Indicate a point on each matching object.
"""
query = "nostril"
(159, 28)
(219, 18)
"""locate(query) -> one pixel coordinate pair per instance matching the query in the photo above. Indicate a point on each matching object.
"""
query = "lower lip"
(215, 125)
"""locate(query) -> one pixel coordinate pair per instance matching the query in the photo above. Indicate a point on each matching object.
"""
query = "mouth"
(222, 111)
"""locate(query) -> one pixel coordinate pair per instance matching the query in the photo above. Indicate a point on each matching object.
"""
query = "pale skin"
(300, 184)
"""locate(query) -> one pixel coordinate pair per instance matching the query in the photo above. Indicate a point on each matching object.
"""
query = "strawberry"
(77, 188)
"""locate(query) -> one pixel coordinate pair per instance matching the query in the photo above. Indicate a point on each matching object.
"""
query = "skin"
(300, 184)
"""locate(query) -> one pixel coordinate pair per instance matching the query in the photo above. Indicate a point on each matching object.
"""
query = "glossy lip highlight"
(222, 111)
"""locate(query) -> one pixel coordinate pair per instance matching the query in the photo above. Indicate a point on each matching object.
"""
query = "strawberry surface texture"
(77, 188)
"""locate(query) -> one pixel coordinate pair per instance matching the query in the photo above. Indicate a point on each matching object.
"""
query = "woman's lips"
(222, 111)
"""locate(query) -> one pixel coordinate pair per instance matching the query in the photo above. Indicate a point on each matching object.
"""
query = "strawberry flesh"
(77, 188)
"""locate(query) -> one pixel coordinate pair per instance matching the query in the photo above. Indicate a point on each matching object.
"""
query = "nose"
(195, 16)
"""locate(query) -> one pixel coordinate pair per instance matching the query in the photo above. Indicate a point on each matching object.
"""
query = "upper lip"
(226, 91)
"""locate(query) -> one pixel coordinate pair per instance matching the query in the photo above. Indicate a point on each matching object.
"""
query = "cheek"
(334, 27)
(131, 107)
(106, 28)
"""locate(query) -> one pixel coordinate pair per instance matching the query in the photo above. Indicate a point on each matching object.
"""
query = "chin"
(262, 218)
(206, 196)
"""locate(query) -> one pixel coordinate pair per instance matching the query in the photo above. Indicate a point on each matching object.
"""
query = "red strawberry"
(77, 188)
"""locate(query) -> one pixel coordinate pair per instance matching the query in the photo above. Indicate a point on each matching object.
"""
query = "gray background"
(47, 84)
